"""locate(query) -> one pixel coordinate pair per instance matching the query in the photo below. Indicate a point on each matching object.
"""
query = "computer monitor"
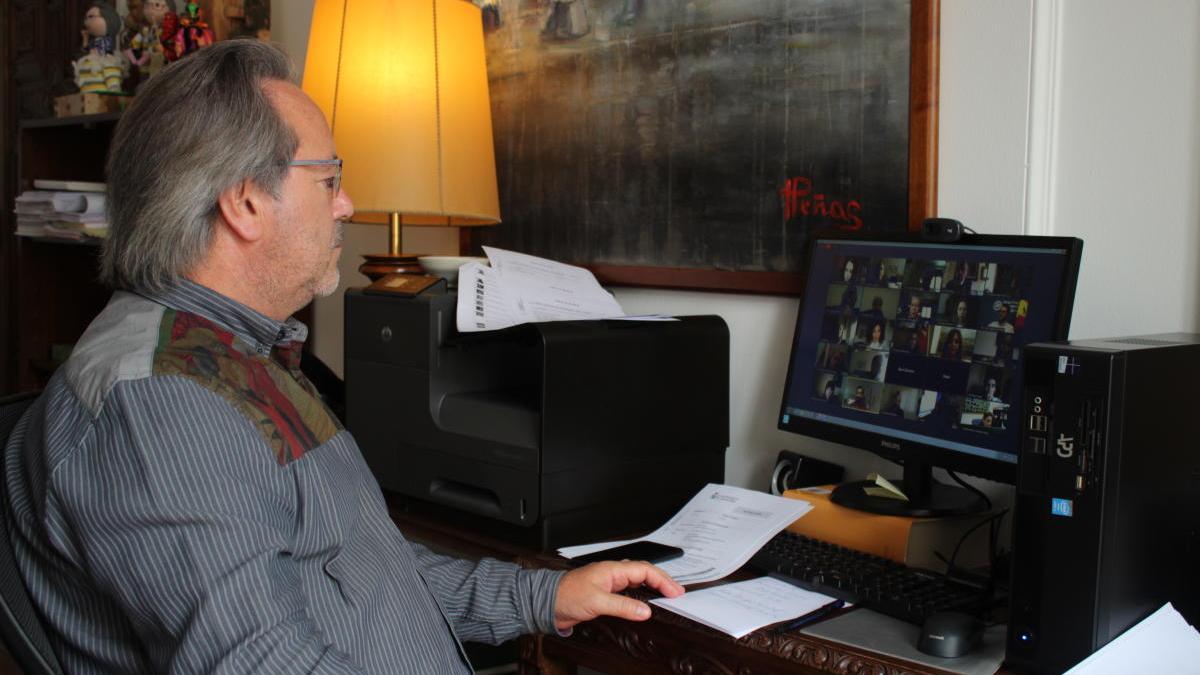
(912, 349)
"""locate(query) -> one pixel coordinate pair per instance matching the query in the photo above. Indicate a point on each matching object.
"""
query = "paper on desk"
(520, 288)
(645, 317)
(743, 607)
(1161, 643)
(719, 530)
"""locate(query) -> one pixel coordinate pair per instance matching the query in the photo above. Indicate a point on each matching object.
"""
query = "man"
(1002, 322)
(859, 400)
(876, 311)
(179, 498)
(959, 282)
(914, 308)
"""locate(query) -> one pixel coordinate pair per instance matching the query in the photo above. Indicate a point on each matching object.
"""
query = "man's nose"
(343, 207)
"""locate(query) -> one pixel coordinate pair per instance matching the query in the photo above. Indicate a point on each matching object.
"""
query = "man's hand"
(592, 590)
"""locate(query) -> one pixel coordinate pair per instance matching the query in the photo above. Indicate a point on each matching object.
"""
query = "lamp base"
(377, 265)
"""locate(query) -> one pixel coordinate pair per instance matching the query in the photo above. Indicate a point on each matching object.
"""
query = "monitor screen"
(912, 349)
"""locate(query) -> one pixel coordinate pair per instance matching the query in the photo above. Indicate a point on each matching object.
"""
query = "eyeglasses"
(334, 182)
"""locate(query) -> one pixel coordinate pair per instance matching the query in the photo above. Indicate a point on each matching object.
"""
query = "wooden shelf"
(89, 241)
(77, 120)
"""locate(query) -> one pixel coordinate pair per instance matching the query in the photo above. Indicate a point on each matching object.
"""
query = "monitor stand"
(926, 497)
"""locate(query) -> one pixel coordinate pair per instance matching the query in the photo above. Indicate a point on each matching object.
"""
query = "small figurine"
(101, 67)
(193, 33)
(145, 47)
(133, 21)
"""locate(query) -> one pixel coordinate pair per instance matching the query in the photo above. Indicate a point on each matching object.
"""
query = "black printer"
(548, 433)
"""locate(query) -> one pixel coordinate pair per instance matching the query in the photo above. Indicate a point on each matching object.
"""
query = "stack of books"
(916, 542)
(71, 210)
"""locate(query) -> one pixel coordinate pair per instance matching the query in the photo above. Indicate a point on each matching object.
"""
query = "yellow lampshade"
(404, 86)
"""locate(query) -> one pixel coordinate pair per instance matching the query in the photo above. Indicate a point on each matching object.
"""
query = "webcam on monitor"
(941, 229)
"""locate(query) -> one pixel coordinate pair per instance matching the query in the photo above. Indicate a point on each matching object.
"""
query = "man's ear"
(245, 208)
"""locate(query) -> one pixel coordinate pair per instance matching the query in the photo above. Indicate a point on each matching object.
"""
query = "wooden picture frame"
(923, 58)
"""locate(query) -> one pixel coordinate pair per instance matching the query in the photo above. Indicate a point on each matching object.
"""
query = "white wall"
(1125, 170)
(1066, 117)
(290, 23)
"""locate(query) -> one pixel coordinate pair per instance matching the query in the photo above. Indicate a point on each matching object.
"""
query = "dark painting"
(707, 134)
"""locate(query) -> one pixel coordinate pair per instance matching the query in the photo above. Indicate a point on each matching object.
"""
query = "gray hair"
(197, 128)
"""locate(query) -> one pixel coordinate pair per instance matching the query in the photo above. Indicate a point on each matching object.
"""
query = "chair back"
(20, 626)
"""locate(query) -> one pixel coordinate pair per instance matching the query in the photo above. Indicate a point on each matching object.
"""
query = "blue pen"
(815, 615)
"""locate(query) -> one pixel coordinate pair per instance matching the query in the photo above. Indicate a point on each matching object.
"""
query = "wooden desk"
(667, 643)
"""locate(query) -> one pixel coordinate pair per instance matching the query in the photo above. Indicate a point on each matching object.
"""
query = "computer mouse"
(950, 634)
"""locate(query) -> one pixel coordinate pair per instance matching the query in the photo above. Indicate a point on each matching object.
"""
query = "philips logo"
(890, 445)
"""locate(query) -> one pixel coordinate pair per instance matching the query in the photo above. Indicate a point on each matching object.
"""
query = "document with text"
(743, 607)
(719, 530)
(518, 288)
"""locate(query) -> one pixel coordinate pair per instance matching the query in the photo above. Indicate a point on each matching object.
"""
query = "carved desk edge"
(669, 643)
(666, 643)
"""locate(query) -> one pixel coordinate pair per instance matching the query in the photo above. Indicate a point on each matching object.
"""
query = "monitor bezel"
(898, 449)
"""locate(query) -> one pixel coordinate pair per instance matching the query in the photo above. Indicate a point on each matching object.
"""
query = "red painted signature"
(799, 199)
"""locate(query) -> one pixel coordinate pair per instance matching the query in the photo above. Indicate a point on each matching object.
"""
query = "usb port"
(1037, 445)
(1037, 422)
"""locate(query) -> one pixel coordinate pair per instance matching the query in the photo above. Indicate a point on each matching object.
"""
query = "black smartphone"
(650, 551)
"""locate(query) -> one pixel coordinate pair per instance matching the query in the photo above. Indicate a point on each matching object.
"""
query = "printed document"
(520, 288)
(720, 529)
(741, 608)
(1161, 643)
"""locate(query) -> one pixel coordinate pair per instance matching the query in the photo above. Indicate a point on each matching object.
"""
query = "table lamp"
(403, 84)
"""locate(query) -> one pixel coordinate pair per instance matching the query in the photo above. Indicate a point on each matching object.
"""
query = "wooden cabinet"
(55, 288)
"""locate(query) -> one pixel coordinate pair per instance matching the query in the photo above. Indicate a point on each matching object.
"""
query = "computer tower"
(1108, 494)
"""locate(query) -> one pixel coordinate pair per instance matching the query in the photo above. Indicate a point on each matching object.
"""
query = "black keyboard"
(888, 587)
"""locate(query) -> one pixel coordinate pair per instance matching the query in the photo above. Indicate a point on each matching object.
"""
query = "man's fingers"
(623, 607)
(639, 573)
(662, 582)
(594, 590)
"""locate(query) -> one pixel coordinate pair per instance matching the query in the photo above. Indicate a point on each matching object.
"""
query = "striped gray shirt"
(180, 501)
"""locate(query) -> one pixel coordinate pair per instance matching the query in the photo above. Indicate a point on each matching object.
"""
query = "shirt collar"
(254, 328)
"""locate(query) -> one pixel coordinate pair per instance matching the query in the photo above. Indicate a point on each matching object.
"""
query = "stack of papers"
(719, 530)
(34, 208)
(519, 288)
(62, 213)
